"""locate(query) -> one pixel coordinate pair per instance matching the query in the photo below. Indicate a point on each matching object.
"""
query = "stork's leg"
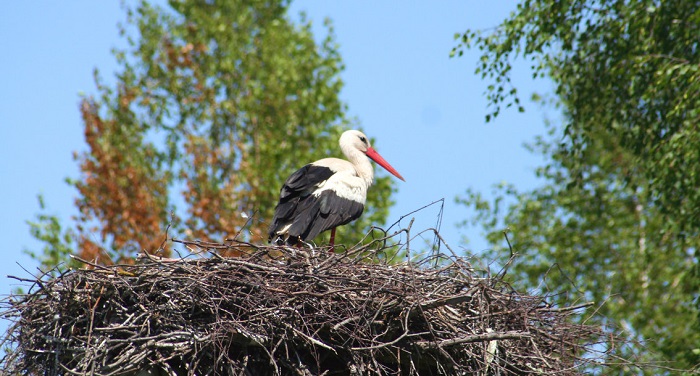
(332, 240)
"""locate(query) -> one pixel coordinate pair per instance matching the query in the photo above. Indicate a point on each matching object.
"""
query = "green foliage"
(54, 257)
(627, 71)
(602, 238)
(619, 209)
(215, 104)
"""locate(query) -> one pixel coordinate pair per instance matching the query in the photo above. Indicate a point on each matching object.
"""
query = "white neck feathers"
(361, 163)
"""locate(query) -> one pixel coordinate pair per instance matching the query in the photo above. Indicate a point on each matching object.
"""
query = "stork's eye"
(364, 140)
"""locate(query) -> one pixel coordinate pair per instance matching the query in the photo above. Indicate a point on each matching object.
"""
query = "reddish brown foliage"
(121, 194)
(210, 198)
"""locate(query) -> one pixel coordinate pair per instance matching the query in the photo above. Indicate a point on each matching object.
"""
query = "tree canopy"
(215, 104)
(618, 214)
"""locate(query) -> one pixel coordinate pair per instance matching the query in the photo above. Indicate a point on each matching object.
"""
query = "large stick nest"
(287, 311)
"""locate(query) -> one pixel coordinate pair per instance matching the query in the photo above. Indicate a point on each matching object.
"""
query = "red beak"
(382, 162)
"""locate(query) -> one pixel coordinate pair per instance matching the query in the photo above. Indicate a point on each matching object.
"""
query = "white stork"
(327, 193)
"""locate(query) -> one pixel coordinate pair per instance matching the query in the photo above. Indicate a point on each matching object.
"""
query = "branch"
(475, 338)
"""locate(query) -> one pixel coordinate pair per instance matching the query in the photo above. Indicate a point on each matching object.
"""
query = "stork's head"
(353, 140)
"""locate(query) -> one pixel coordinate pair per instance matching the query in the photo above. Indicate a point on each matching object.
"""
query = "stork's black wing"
(298, 187)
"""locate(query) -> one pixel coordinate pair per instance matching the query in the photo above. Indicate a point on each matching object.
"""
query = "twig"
(474, 338)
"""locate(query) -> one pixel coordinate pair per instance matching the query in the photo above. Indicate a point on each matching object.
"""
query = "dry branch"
(289, 311)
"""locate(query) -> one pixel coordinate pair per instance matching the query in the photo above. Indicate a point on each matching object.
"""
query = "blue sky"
(425, 110)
